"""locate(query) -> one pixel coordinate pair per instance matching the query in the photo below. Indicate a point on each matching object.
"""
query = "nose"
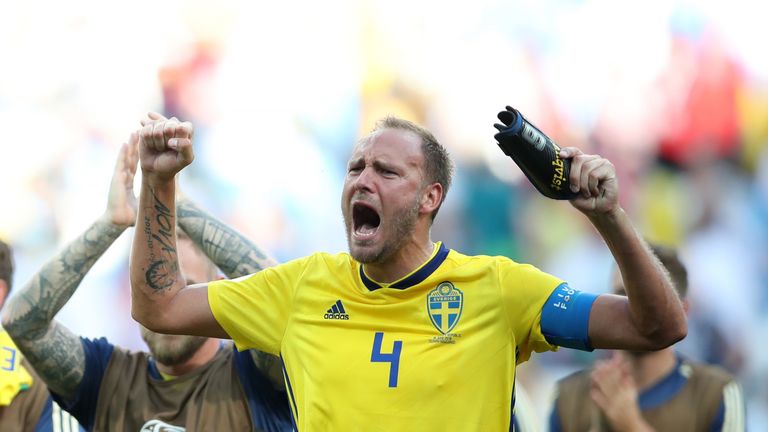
(364, 180)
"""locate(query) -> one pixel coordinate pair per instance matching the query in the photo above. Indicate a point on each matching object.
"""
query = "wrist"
(157, 179)
(609, 217)
(639, 425)
(631, 421)
(160, 185)
(108, 219)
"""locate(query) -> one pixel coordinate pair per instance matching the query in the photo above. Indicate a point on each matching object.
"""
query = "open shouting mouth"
(365, 221)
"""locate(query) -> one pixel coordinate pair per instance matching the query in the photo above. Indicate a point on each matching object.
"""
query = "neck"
(649, 368)
(202, 356)
(409, 257)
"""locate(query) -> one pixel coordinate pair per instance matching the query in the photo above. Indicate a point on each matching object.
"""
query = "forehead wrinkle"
(411, 159)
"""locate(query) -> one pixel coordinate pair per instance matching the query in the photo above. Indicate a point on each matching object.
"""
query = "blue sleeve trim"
(565, 318)
(46, 422)
(293, 409)
(83, 405)
(54, 419)
(554, 420)
(514, 425)
(717, 422)
(268, 406)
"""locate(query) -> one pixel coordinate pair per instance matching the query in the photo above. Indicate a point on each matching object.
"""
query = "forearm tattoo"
(58, 358)
(54, 352)
(163, 268)
(236, 256)
(232, 252)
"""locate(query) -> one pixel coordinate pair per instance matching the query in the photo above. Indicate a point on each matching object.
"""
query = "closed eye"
(385, 170)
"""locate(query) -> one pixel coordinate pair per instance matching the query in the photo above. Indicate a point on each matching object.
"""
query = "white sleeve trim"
(62, 421)
(733, 400)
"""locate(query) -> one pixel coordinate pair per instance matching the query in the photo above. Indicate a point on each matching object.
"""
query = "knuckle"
(186, 130)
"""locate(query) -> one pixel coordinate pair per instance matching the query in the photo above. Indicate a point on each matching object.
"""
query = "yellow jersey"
(435, 350)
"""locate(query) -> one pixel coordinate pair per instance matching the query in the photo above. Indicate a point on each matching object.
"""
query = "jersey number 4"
(392, 358)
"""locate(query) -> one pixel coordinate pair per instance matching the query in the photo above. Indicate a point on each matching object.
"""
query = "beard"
(171, 350)
(402, 227)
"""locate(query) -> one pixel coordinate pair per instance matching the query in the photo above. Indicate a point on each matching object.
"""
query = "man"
(25, 403)
(645, 391)
(401, 333)
(185, 382)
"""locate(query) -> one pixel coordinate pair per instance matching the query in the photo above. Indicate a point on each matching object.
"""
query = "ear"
(3, 292)
(431, 198)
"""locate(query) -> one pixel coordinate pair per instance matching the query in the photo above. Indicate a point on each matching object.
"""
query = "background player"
(25, 403)
(184, 381)
(658, 390)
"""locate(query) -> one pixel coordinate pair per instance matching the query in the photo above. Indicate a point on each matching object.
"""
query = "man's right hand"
(615, 394)
(165, 146)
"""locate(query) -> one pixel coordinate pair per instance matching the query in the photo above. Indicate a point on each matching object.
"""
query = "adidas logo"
(336, 312)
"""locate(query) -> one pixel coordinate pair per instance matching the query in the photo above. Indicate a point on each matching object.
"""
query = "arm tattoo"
(58, 357)
(232, 252)
(163, 270)
(54, 352)
(236, 256)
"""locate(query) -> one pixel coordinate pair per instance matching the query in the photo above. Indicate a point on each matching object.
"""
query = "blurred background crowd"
(675, 93)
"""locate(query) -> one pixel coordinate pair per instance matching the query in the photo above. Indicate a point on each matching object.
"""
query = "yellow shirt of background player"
(14, 378)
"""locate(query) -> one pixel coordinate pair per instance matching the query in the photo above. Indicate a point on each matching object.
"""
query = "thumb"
(569, 152)
(155, 116)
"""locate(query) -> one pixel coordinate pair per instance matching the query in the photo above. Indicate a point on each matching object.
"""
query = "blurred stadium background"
(675, 93)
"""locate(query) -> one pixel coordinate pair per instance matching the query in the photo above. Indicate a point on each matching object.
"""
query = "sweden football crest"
(444, 304)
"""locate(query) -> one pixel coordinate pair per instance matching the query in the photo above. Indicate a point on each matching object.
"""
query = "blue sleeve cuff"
(565, 318)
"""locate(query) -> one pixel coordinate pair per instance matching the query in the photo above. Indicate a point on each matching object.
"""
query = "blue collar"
(416, 277)
(667, 388)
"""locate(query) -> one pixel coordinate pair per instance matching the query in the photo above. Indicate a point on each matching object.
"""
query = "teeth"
(366, 229)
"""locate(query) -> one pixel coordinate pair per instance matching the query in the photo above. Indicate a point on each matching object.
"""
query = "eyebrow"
(383, 165)
(377, 163)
